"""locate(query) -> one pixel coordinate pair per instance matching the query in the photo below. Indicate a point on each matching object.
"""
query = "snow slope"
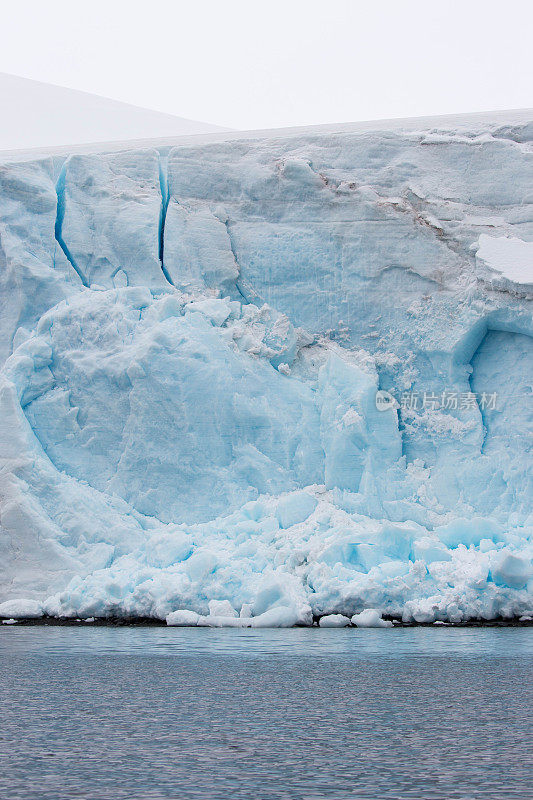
(253, 381)
(36, 114)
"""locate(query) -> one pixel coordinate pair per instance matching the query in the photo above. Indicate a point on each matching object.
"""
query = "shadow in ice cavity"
(503, 375)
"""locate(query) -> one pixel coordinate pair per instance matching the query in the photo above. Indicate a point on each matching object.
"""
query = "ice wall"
(274, 378)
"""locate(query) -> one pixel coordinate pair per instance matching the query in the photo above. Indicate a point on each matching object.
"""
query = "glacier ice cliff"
(259, 381)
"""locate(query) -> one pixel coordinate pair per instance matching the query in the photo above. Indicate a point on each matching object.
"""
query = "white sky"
(254, 64)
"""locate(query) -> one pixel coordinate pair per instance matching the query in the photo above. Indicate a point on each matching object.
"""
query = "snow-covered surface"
(514, 122)
(193, 339)
(510, 257)
(36, 114)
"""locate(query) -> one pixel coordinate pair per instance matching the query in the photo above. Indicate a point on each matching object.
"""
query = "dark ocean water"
(140, 713)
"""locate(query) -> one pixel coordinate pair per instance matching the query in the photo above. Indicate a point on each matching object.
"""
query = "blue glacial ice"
(256, 382)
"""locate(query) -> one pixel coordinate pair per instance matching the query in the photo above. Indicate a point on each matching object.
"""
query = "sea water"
(142, 712)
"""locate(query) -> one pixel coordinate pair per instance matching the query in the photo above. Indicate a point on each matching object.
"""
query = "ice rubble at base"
(193, 344)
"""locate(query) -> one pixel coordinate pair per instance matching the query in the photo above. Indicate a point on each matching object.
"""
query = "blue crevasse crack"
(60, 190)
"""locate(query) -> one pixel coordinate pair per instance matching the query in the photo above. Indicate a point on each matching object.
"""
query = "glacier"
(270, 380)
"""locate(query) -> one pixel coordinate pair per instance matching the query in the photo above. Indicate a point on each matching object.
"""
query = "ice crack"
(58, 230)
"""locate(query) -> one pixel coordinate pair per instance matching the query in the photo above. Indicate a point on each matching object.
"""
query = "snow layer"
(511, 257)
(253, 383)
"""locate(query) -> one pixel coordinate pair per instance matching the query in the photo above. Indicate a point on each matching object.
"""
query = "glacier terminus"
(260, 381)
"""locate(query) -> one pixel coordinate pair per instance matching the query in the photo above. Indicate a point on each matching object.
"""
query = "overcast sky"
(253, 64)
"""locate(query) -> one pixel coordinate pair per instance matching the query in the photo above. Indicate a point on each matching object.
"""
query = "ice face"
(150, 403)
(255, 382)
(34, 272)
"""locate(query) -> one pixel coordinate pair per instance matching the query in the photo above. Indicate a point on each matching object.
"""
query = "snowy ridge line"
(32, 111)
(193, 348)
(481, 120)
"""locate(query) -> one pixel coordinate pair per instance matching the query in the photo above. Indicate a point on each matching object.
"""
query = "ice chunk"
(163, 549)
(370, 618)
(278, 617)
(182, 618)
(21, 608)
(429, 549)
(216, 310)
(295, 508)
(468, 531)
(221, 608)
(511, 569)
(334, 621)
